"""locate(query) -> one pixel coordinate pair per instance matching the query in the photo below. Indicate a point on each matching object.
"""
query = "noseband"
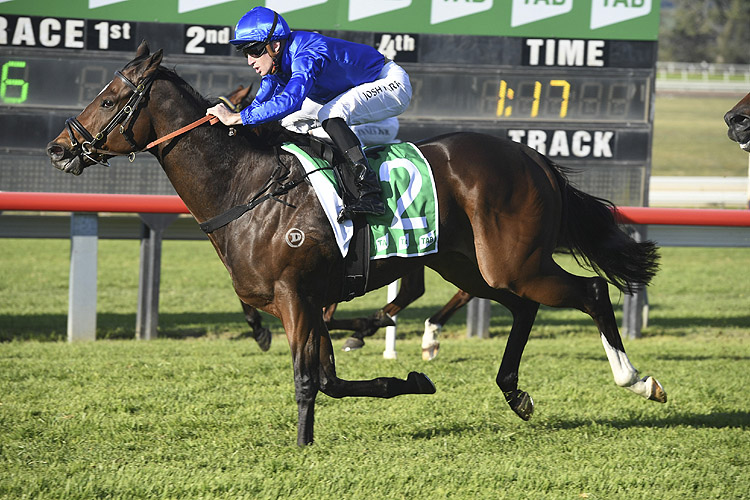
(91, 143)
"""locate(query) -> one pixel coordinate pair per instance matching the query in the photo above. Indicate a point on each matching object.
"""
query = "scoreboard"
(585, 101)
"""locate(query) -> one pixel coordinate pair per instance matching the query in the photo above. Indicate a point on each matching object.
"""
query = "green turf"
(690, 138)
(217, 419)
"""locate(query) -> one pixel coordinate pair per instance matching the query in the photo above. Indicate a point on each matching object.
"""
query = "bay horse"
(503, 210)
(738, 122)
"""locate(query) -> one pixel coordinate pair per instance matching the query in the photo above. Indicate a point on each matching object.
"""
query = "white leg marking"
(431, 331)
(430, 344)
(624, 372)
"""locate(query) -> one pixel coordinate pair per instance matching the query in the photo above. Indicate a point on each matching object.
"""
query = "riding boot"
(358, 177)
(367, 197)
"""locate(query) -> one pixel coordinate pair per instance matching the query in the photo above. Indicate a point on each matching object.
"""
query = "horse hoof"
(521, 403)
(430, 353)
(352, 344)
(656, 390)
(263, 339)
(423, 383)
(382, 319)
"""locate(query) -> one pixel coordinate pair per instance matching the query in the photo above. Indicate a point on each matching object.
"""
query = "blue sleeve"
(288, 98)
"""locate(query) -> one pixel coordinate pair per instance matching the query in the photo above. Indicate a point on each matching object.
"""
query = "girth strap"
(233, 213)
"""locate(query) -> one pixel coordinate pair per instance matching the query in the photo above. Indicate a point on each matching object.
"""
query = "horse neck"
(210, 171)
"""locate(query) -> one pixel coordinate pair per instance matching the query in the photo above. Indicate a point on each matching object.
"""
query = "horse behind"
(503, 210)
(738, 122)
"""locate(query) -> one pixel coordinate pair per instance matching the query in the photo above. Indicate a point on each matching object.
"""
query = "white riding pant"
(369, 109)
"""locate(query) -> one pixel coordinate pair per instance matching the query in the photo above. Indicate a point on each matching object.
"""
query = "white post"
(84, 229)
(478, 318)
(390, 331)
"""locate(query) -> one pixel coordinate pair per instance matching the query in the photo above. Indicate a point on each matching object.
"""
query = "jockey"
(310, 81)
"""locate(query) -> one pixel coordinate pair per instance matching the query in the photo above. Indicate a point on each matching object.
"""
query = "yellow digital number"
(565, 95)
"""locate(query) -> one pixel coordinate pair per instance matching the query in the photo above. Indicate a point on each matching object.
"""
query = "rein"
(208, 118)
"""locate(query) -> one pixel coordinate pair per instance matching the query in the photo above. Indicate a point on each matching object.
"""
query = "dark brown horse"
(503, 210)
(411, 288)
(738, 121)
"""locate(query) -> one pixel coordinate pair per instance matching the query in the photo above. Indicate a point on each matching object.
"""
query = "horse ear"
(153, 62)
(142, 50)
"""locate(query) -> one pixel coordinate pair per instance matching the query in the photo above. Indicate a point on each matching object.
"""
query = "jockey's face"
(263, 64)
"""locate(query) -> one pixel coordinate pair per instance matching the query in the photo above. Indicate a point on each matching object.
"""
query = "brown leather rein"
(208, 118)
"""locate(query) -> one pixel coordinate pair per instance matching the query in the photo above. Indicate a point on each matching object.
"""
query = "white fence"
(708, 77)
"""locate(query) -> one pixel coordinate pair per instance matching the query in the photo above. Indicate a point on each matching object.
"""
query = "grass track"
(217, 419)
(197, 415)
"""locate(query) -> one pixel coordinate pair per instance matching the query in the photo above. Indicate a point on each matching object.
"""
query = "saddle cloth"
(409, 227)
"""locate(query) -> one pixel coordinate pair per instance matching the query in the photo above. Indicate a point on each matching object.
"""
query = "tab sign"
(529, 11)
(608, 12)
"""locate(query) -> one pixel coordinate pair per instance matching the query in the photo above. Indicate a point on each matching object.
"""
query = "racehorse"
(503, 210)
(411, 288)
(738, 121)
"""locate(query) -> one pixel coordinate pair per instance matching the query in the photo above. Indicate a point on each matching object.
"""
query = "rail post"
(147, 315)
(635, 306)
(84, 235)
(478, 318)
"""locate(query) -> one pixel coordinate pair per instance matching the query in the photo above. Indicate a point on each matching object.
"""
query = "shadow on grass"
(720, 420)
(53, 327)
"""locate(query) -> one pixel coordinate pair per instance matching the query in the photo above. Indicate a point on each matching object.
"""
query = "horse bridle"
(91, 143)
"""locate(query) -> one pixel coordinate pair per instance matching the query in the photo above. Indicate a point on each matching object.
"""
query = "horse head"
(738, 121)
(88, 139)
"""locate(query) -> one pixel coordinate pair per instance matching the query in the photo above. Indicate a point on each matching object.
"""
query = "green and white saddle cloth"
(409, 227)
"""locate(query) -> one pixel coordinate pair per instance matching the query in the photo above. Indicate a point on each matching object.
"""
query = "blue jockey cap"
(260, 25)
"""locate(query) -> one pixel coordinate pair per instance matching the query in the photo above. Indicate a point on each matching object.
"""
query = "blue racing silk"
(312, 66)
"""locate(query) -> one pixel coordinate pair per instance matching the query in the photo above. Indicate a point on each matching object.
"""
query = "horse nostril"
(55, 151)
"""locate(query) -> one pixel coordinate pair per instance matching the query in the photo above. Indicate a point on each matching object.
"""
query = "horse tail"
(590, 233)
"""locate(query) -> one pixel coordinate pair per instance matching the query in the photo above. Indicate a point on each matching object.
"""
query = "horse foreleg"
(382, 387)
(434, 324)
(260, 333)
(524, 313)
(304, 325)
(624, 373)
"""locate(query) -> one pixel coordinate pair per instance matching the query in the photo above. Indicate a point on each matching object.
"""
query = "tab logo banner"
(608, 12)
(529, 11)
(284, 6)
(447, 10)
(186, 5)
(360, 9)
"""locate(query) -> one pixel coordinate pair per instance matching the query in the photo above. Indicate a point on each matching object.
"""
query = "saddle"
(357, 260)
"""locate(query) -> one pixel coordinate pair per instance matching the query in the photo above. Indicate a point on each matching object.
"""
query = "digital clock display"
(525, 95)
(489, 95)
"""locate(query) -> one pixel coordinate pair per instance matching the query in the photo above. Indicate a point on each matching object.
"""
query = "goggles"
(253, 49)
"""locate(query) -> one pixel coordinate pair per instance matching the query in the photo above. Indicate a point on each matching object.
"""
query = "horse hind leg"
(411, 288)
(557, 288)
(524, 313)
(623, 371)
(434, 324)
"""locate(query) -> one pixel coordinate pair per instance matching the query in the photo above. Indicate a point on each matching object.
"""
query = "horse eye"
(107, 103)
